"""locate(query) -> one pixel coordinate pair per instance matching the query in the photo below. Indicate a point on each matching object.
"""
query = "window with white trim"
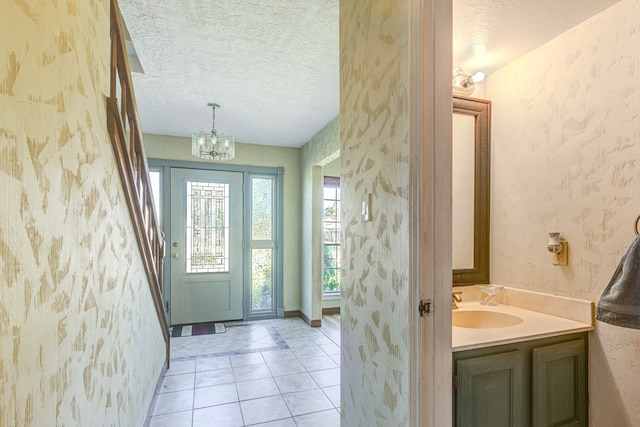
(331, 248)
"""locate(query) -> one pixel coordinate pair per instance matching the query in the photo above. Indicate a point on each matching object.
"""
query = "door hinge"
(167, 305)
(455, 381)
(424, 308)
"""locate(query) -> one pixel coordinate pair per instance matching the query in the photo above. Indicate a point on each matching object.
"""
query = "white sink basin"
(484, 319)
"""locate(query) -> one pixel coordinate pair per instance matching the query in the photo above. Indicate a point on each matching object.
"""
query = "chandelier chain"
(213, 120)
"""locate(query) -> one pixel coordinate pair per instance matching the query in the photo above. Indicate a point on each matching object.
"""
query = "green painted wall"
(332, 169)
(323, 148)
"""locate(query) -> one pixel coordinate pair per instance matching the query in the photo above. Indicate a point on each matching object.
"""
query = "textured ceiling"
(488, 34)
(273, 65)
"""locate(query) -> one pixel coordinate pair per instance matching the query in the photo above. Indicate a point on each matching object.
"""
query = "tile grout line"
(281, 344)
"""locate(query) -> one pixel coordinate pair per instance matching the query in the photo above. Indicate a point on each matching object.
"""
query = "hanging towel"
(620, 302)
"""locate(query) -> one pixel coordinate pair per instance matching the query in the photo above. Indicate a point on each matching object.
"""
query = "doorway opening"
(223, 228)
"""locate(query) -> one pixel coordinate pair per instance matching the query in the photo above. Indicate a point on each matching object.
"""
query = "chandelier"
(213, 145)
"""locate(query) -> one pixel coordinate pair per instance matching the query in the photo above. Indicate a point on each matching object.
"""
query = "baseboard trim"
(165, 367)
(312, 323)
(292, 313)
(331, 310)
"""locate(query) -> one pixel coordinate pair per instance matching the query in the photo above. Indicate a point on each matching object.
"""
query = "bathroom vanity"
(515, 366)
(532, 383)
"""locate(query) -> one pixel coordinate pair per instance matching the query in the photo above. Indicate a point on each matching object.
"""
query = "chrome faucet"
(455, 297)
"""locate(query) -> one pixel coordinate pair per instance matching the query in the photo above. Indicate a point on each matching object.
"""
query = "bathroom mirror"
(470, 190)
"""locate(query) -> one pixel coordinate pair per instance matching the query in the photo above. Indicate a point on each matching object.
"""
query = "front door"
(206, 246)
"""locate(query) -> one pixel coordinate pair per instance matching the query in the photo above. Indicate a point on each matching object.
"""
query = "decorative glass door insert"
(207, 224)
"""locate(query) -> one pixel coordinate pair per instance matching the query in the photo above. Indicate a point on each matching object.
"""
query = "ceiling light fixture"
(464, 84)
(212, 145)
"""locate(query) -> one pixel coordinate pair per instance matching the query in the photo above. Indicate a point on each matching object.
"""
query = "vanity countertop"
(534, 325)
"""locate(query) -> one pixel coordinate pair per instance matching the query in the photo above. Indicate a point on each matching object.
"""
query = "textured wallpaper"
(80, 343)
(566, 157)
(374, 152)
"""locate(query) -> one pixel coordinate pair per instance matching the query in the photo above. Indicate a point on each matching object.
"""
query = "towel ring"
(636, 226)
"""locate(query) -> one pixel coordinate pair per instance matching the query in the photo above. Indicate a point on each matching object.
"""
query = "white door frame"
(430, 44)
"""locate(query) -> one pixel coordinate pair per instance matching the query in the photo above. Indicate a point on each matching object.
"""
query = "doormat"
(197, 329)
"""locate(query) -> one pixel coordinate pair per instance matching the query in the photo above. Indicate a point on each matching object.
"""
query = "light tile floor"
(270, 373)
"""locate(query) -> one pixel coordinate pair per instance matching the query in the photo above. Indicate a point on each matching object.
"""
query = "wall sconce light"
(465, 84)
(559, 249)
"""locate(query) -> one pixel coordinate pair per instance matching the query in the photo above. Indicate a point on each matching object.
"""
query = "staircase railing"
(126, 138)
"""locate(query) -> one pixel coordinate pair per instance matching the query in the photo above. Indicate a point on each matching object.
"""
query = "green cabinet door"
(489, 391)
(559, 385)
(539, 383)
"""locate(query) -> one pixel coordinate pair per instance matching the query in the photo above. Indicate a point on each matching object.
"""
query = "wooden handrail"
(133, 167)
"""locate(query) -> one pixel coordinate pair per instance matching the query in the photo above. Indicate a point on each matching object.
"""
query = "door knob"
(175, 244)
(174, 254)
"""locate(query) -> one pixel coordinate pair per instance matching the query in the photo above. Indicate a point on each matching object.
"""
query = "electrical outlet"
(562, 258)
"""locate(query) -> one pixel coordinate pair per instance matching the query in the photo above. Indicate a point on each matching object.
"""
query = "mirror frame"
(480, 109)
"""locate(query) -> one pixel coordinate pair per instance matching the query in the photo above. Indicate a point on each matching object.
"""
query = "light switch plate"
(366, 207)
